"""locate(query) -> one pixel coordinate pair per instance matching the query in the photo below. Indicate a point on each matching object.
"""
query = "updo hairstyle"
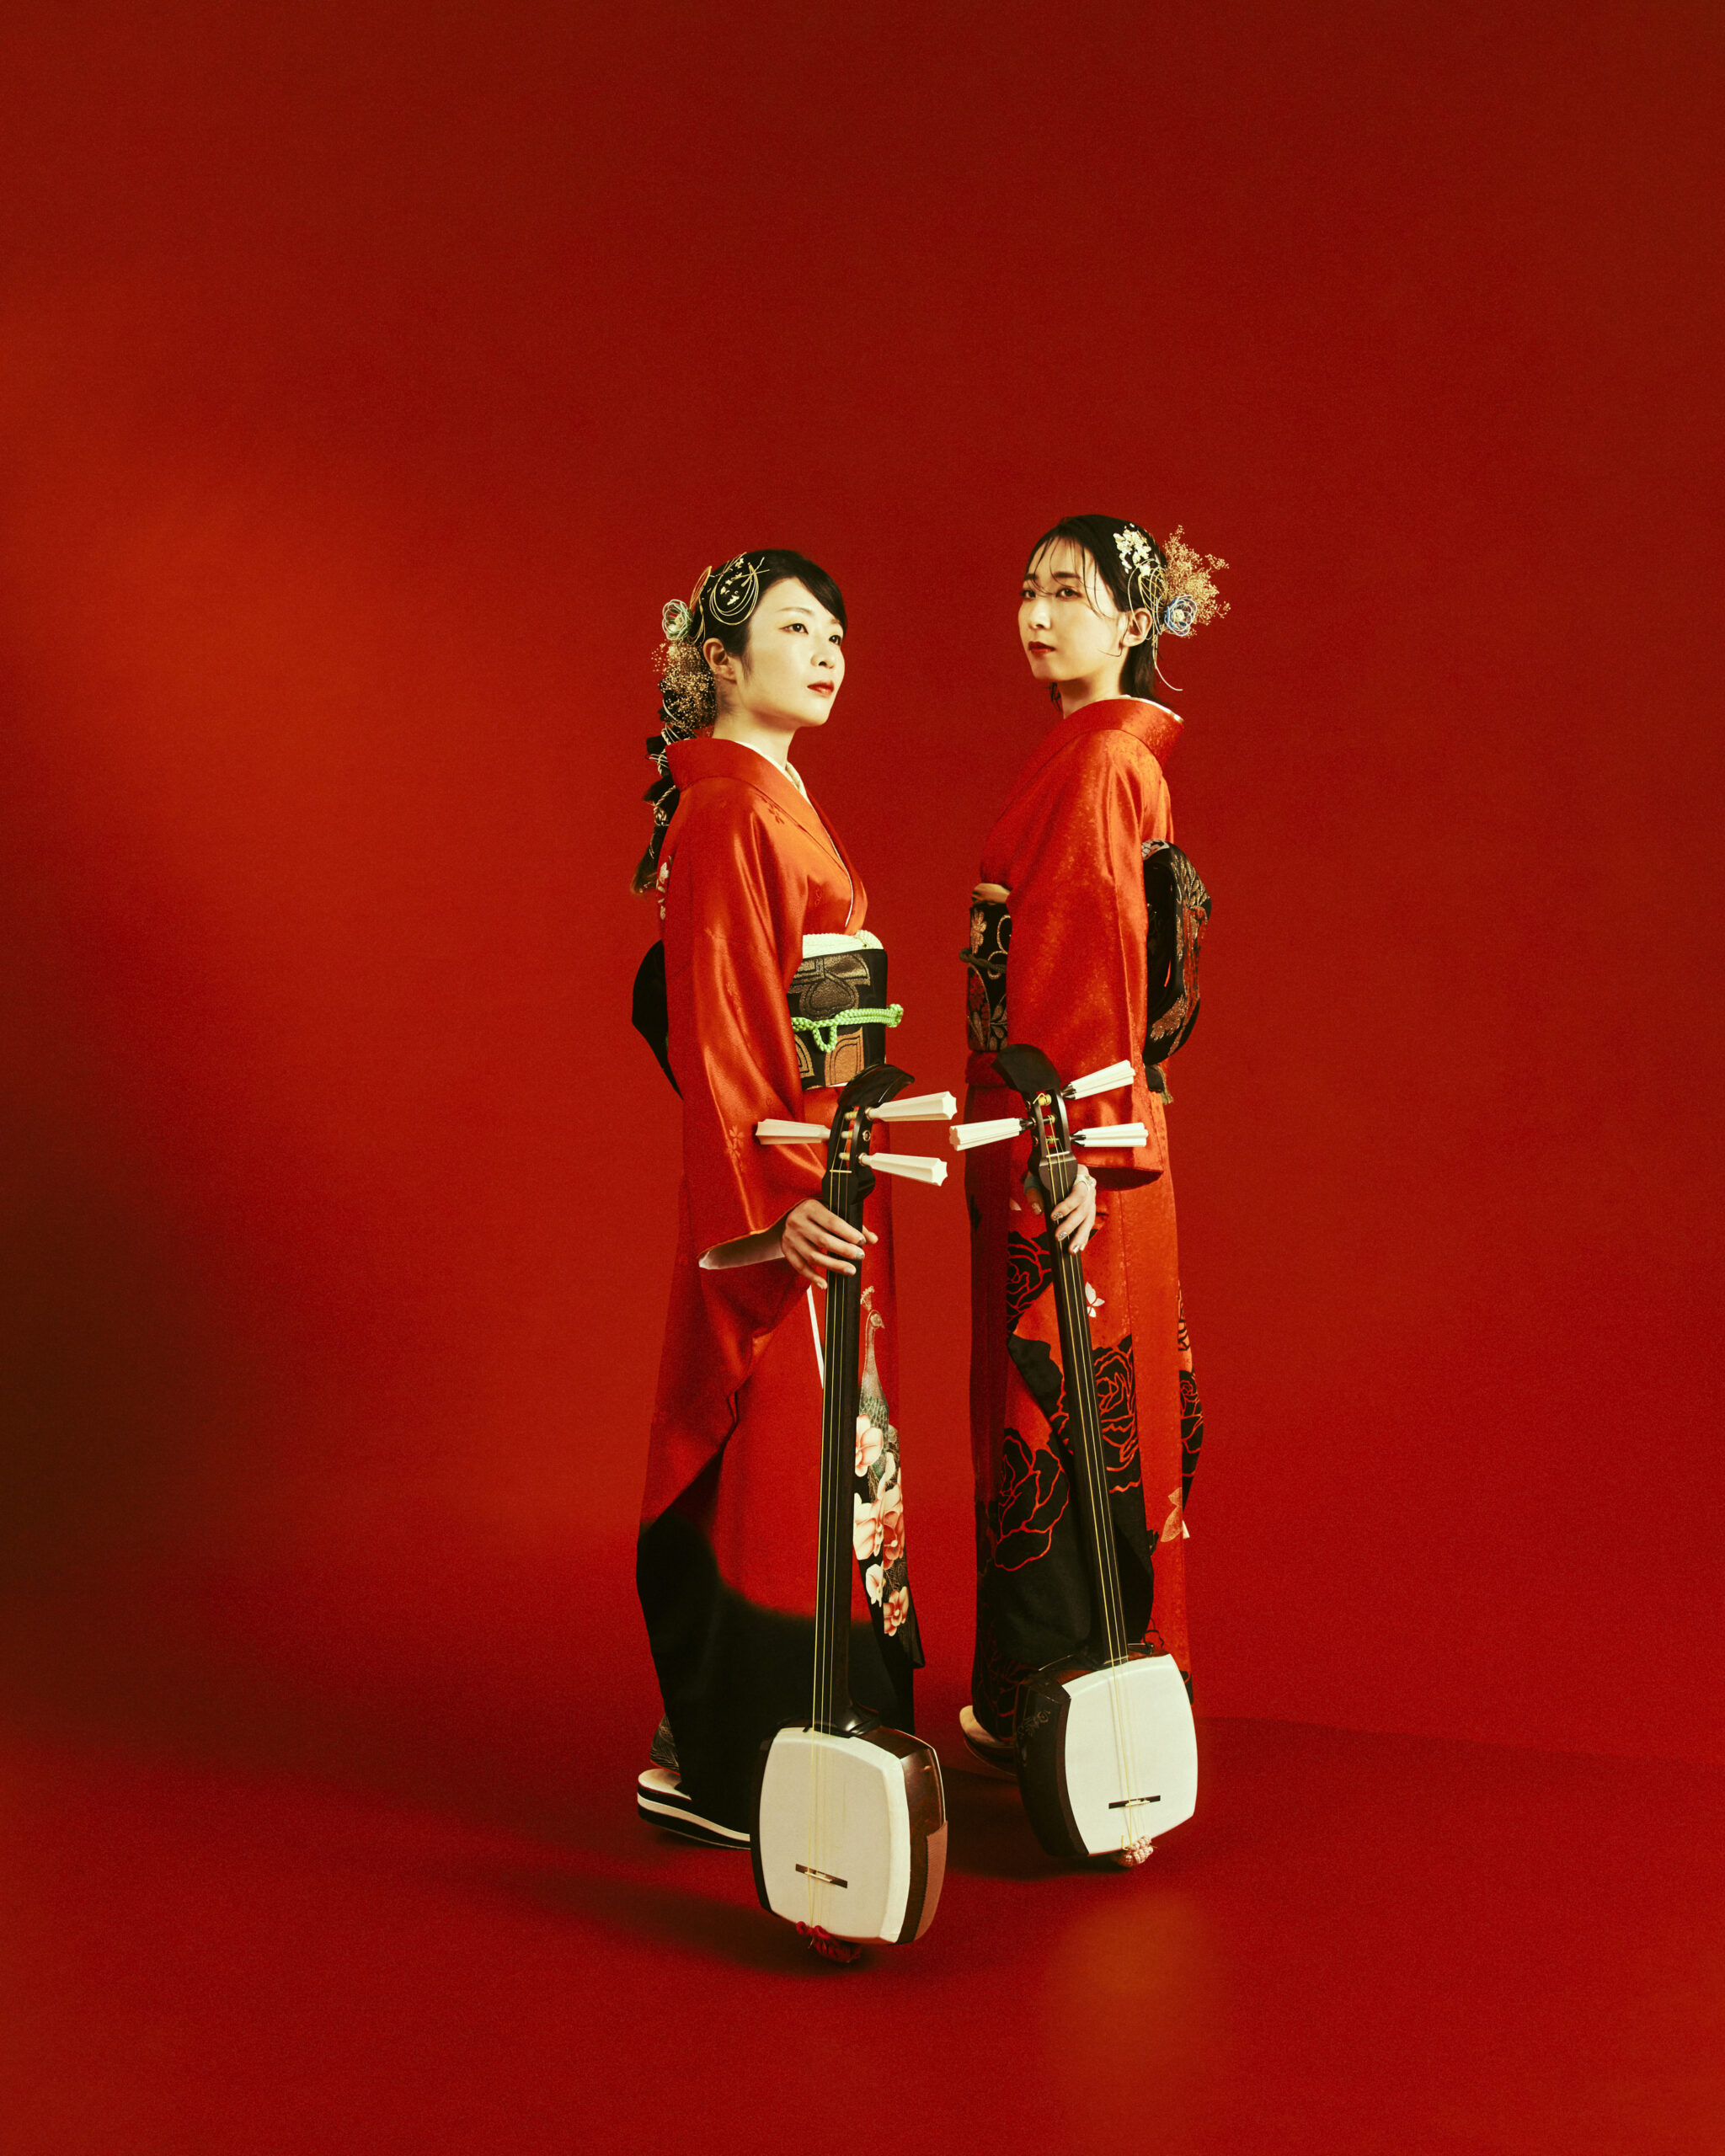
(722, 605)
(1172, 585)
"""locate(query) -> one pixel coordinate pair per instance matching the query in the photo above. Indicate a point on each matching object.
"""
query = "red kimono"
(726, 1559)
(1069, 849)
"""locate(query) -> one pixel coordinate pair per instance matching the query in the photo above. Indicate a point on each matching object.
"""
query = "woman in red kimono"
(1083, 941)
(772, 995)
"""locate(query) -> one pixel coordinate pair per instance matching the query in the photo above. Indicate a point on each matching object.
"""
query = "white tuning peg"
(916, 1167)
(775, 1131)
(965, 1135)
(1126, 1134)
(919, 1107)
(1099, 1081)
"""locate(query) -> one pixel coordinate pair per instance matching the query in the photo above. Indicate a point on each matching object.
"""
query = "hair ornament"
(1146, 582)
(1137, 554)
(723, 599)
(733, 594)
(686, 701)
(686, 693)
(1192, 597)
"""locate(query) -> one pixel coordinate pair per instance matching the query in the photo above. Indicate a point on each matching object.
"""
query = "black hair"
(1129, 589)
(775, 565)
(688, 701)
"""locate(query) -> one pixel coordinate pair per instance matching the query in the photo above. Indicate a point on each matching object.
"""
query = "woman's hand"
(814, 1242)
(1074, 1216)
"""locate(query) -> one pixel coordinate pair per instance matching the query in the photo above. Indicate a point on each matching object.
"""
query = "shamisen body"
(849, 1828)
(1103, 1739)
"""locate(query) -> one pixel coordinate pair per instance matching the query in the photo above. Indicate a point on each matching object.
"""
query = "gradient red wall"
(368, 377)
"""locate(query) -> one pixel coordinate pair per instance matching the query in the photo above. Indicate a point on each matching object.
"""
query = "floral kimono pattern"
(879, 1496)
(1057, 957)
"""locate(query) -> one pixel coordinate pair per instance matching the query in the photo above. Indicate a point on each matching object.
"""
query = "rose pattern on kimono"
(1029, 1503)
(878, 1525)
(1026, 1518)
(1191, 1414)
(1029, 1270)
(1086, 821)
(1116, 1391)
(1033, 1489)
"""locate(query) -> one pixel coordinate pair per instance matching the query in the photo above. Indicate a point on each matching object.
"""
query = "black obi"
(1177, 906)
(839, 1014)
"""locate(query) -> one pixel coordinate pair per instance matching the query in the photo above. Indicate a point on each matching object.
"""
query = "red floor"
(247, 1921)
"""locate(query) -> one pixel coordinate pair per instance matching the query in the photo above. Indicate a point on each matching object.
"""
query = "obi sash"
(838, 1011)
(1177, 906)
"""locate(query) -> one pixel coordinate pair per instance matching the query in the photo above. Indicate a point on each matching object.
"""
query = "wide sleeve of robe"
(1077, 985)
(735, 907)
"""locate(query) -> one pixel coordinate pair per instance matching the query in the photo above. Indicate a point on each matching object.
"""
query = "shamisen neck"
(831, 1704)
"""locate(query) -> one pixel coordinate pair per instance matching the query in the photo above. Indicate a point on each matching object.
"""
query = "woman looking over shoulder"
(773, 997)
(1083, 941)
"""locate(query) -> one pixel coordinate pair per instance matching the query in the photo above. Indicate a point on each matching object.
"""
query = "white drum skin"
(1129, 1734)
(1108, 1758)
(836, 1844)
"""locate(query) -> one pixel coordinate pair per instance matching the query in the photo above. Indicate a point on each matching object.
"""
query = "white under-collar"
(789, 769)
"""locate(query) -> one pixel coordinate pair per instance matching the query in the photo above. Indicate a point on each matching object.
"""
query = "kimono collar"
(1153, 724)
(702, 757)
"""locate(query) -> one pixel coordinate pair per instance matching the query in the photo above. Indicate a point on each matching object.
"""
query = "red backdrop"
(370, 374)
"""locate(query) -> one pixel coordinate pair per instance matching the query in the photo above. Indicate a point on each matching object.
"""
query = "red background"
(369, 376)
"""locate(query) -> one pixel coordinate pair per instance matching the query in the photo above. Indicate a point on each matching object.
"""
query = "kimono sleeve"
(733, 937)
(1076, 982)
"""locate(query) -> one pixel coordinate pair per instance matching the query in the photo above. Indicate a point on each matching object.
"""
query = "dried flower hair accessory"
(685, 685)
(687, 697)
(1192, 597)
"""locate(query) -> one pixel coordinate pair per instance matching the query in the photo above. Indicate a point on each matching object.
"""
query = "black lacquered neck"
(1083, 1414)
(831, 1704)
